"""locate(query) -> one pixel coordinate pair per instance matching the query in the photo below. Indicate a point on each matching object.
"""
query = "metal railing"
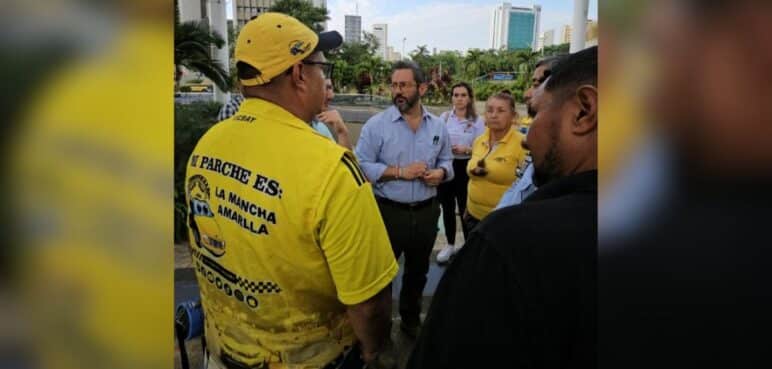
(361, 100)
(190, 97)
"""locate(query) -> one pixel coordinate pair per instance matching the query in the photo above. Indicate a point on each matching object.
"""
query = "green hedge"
(191, 121)
(483, 90)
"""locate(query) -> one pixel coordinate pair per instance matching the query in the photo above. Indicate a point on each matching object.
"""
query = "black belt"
(406, 205)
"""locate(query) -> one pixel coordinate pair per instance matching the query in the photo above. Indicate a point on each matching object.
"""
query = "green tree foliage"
(304, 11)
(556, 49)
(476, 67)
(190, 123)
(358, 67)
(193, 45)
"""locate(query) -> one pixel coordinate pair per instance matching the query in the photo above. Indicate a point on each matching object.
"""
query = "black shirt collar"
(583, 182)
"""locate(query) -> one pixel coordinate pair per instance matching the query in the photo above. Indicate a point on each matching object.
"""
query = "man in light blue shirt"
(523, 185)
(520, 189)
(405, 152)
(396, 158)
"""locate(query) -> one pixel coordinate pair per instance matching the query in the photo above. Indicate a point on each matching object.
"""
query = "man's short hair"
(246, 71)
(574, 70)
(549, 64)
(418, 74)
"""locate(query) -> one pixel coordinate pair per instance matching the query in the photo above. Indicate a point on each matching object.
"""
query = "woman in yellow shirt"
(495, 155)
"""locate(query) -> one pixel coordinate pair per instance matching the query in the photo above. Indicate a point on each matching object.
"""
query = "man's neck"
(414, 115)
(586, 164)
(284, 103)
(497, 135)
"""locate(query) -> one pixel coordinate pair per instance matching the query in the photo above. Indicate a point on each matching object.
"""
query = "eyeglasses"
(402, 85)
(326, 67)
(479, 170)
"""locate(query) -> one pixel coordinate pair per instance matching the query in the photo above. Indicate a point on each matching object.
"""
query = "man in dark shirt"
(522, 292)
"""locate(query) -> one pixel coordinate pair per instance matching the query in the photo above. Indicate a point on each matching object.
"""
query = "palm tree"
(193, 43)
(472, 62)
(420, 56)
(304, 11)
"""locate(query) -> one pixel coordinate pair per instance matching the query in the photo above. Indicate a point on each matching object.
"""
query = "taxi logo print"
(297, 47)
(261, 287)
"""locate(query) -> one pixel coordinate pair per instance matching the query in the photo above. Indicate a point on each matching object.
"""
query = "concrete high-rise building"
(381, 33)
(549, 38)
(591, 32)
(565, 36)
(353, 32)
(515, 27)
(392, 55)
(244, 10)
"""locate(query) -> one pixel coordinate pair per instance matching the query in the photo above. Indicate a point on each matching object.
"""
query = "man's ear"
(587, 118)
(297, 75)
(422, 87)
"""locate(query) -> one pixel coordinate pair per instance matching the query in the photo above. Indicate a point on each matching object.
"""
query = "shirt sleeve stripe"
(359, 170)
(356, 167)
(353, 172)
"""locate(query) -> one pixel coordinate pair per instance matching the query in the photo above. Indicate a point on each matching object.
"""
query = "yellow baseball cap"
(273, 42)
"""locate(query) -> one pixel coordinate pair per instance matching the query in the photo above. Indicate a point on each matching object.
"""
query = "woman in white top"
(464, 125)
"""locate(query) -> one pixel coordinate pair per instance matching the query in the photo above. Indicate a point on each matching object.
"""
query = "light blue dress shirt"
(387, 140)
(519, 190)
(322, 128)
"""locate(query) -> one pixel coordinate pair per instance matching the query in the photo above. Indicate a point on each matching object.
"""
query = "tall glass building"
(515, 27)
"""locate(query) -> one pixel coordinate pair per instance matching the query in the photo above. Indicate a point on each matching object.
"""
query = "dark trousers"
(451, 194)
(412, 231)
(468, 222)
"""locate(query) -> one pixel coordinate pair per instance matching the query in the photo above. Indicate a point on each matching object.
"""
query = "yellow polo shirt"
(285, 232)
(484, 192)
(525, 121)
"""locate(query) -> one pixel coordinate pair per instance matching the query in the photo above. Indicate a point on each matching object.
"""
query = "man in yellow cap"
(291, 255)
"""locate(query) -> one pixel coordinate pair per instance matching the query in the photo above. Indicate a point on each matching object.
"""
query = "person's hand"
(434, 177)
(333, 120)
(413, 171)
(460, 149)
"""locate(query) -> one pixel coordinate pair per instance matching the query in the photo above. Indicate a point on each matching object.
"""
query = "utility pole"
(403, 47)
(579, 27)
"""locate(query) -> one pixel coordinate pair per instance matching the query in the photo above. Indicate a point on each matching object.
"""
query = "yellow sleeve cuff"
(356, 297)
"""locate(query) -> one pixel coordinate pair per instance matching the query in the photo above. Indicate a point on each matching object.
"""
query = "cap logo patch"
(297, 47)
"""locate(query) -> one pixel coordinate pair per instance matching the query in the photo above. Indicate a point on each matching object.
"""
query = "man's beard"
(550, 168)
(409, 102)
